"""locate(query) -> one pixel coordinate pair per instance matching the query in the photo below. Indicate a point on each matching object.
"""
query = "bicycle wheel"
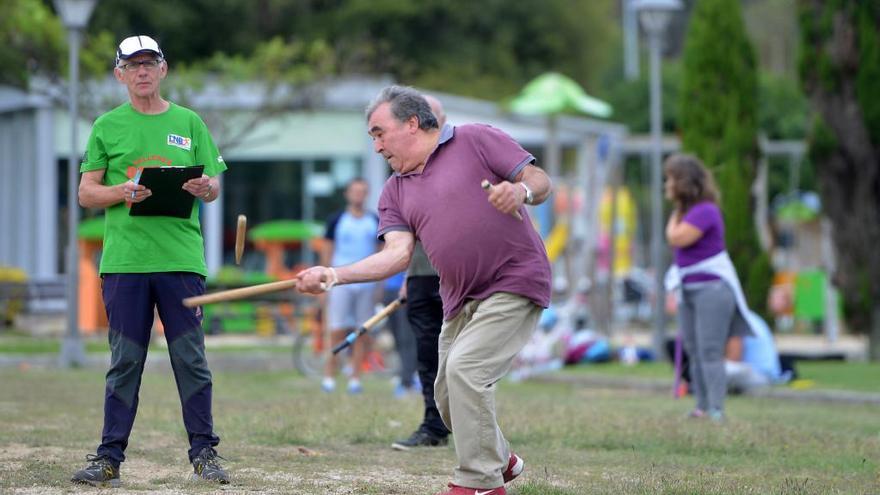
(308, 358)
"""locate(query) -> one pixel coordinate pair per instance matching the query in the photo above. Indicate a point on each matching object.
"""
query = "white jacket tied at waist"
(719, 265)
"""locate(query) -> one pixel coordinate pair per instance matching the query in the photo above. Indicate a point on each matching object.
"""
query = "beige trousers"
(476, 350)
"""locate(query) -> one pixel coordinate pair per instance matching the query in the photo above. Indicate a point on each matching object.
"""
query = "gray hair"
(405, 102)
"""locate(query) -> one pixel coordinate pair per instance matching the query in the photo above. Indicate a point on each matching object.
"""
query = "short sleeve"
(702, 216)
(96, 156)
(206, 150)
(332, 222)
(390, 216)
(504, 156)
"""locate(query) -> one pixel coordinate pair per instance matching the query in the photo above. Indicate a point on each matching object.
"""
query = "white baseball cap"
(137, 44)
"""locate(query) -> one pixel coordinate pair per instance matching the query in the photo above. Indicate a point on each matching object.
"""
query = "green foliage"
(868, 76)
(783, 109)
(757, 286)
(31, 42)
(719, 122)
(823, 141)
(631, 100)
(273, 62)
(858, 302)
(718, 118)
(488, 48)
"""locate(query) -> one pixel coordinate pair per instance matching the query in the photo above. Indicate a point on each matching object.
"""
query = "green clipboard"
(168, 198)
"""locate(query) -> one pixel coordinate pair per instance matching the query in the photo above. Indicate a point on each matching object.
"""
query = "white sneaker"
(328, 384)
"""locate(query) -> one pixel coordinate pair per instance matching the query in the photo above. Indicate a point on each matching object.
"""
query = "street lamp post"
(655, 16)
(75, 16)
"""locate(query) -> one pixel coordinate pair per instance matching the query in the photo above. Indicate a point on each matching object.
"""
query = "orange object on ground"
(92, 315)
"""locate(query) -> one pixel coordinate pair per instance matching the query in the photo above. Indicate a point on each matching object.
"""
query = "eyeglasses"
(147, 64)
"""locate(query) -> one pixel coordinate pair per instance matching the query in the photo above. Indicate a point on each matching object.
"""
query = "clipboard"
(168, 198)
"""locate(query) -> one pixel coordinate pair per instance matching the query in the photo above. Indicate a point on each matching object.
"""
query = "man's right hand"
(314, 280)
(134, 193)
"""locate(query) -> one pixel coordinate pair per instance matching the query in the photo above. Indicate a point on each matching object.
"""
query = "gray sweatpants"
(705, 315)
(476, 350)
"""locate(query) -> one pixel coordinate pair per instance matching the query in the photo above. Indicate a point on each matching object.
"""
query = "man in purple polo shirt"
(495, 276)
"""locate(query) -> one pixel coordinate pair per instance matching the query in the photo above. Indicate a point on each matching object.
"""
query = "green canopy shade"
(553, 93)
(285, 230)
(91, 229)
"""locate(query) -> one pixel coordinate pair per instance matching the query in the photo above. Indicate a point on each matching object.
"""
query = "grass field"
(282, 435)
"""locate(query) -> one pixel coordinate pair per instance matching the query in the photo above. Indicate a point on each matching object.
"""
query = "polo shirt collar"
(446, 133)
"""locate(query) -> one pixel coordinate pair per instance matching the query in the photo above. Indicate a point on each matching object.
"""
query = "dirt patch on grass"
(292, 469)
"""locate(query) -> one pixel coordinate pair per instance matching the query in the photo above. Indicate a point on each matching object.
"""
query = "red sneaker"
(461, 490)
(514, 468)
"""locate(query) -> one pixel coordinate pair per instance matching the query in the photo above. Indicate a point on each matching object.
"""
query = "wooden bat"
(487, 186)
(239, 238)
(376, 318)
(241, 293)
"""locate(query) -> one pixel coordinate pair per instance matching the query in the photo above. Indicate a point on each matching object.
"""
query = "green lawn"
(574, 440)
(836, 375)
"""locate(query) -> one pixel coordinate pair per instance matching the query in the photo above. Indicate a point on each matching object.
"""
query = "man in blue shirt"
(351, 236)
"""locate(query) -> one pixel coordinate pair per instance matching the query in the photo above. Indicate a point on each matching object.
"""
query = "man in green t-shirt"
(150, 263)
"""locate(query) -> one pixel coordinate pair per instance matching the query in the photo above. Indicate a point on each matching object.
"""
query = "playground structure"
(802, 296)
(275, 313)
(92, 316)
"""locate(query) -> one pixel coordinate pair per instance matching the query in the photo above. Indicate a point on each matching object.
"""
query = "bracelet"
(329, 285)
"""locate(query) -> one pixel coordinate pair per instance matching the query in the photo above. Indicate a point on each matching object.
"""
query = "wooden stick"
(239, 238)
(376, 318)
(487, 186)
(241, 293)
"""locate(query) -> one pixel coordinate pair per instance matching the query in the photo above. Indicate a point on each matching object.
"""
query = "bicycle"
(311, 346)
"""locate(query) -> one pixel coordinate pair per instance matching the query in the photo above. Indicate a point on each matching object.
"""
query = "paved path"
(664, 386)
(852, 347)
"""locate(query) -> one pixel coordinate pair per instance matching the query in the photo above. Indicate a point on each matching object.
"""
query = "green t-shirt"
(123, 140)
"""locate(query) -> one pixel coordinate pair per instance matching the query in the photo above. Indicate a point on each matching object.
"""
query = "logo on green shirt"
(179, 141)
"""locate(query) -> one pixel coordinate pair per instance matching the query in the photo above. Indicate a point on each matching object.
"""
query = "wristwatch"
(529, 196)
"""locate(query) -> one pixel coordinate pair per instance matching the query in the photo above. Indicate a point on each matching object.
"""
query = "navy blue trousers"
(130, 300)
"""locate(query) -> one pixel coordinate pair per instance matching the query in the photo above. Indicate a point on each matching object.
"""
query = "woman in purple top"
(707, 307)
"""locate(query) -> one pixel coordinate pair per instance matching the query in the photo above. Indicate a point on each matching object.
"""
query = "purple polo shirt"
(476, 249)
(707, 218)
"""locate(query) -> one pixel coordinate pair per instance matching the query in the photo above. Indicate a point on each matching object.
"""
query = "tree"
(31, 42)
(719, 123)
(33, 45)
(485, 49)
(280, 72)
(840, 70)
